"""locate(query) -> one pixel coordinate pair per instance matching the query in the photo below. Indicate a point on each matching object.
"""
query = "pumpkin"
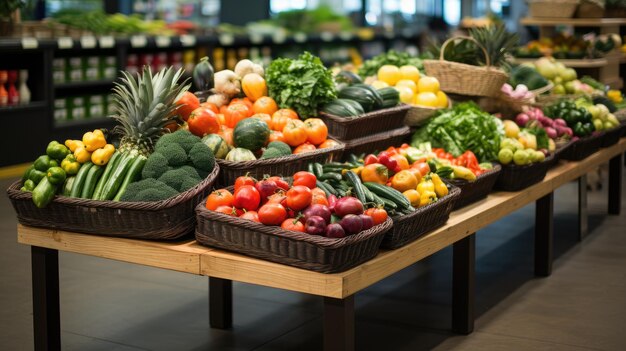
(239, 154)
(252, 134)
(217, 144)
(254, 86)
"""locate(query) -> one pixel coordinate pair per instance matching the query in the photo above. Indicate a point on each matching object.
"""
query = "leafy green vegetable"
(301, 84)
(543, 141)
(391, 57)
(464, 127)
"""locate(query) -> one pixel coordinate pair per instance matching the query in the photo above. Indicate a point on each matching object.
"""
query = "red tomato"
(272, 214)
(235, 113)
(422, 167)
(203, 121)
(293, 224)
(244, 180)
(378, 215)
(318, 191)
(319, 199)
(250, 215)
(316, 131)
(280, 182)
(210, 106)
(221, 197)
(278, 198)
(299, 197)
(228, 210)
(187, 102)
(307, 179)
(247, 197)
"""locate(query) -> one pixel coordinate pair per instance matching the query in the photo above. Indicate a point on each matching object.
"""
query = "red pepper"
(332, 201)
(369, 159)
(472, 161)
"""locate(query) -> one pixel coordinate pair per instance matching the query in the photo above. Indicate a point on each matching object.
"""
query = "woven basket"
(464, 79)
(349, 128)
(552, 8)
(611, 137)
(311, 252)
(543, 101)
(583, 147)
(419, 115)
(408, 228)
(515, 178)
(476, 190)
(558, 152)
(282, 166)
(161, 220)
(589, 9)
(376, 142)
(622, 127)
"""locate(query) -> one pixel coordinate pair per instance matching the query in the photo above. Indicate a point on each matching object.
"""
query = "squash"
(254, 86)
(217, 144)
(251, 133)
(343, 108)
(390, 96)
(363, 96)
(239, 154)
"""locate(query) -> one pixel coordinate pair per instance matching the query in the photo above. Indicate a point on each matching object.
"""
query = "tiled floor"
(107, 305)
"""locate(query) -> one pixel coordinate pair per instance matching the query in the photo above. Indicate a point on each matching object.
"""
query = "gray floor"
(107, 305)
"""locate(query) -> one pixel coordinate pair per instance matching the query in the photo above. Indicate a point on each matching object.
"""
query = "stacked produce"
(413, 88)
(370, 67)
(524, 146)
(359, 99)
(564, 79)
(465, 166)
(522, 80)
(302, 206)
(601, 116)
(578, 119)
(566, 46)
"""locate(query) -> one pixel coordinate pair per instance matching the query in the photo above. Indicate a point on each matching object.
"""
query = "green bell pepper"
(56, 175)
(70, 165)
(579, 130)
(29, 185)
(26, 175)
(36, 176)
(42, 163)
(57, 151)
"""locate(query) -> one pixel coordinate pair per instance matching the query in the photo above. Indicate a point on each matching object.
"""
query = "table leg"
(544, 230)
(220, 303)
(583, 227)
(339, 324)
(615, 185)
(46, 311)
(463, 285)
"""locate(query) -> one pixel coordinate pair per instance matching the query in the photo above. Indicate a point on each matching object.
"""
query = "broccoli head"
(193, 173)
(202, 157)
(148, 190)
(182, 137)
(155, 166)
(174, 154)
(176, 177)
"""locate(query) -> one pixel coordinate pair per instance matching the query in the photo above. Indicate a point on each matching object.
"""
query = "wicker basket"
(611, 137)
(162, 220)
(376, 142)
(282, 166)
(419, 115)
(464, 79)
(583, 147)
(515, 178)
(589, 9)
(476, 190)
(408, 228)
(552, 8)
(543, 101)
(558, 152)
(349, 128)
(295, 249)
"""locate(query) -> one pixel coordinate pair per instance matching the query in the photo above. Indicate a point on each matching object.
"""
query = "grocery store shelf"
(576, 22)
(573, 63)
(36, 105)
(103, 83)
(100, 122)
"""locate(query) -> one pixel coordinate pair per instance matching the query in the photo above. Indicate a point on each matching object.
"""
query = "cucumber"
(368, 194)
(133, 174)
(362, 95)
(117, 177)
(330, 176)
(311, 169)
(357, 186)
(67, 186)
(392, 194)
(324, 187)
(390, 96)
(115, 159)
(43, 193)
(318, 169)
(377, 199)
(79, 182)
(91, 180)
(389, 204)
(378, 98)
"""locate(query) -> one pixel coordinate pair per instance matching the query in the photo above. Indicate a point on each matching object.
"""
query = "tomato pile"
(300, 206)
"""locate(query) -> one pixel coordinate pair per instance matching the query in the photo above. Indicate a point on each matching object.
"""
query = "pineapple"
(143, 107)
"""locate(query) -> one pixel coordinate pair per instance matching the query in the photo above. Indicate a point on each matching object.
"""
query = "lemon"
(389, 74)
(410, 72)
(442, 99)
(428, 85)
(427, 99)
(406, 94)
(407, 83)
(379, 84)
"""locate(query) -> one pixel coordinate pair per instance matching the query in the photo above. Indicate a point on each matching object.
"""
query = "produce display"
(600, 110)
(564, 79)
(300, 205)
(413, 87)
(577, 118)
(523, 79)
(392, 58)
(566, 46)
(357, 99)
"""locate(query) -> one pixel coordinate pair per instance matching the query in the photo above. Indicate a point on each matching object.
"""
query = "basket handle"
(445, 43)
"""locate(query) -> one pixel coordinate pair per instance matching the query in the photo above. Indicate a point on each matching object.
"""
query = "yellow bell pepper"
(94, 140)
(427, 197)
(103, 155)
(82, 155)
(426, 185)
(441, 189)
(73, 144)
(615, 96)
(463, 173)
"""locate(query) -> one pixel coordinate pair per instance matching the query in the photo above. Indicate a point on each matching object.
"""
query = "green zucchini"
(354, 180)
(389, 204)
(341, 108)
(311, 169)
(79, 182)
(330, 176)
(67, 186)
(355, 105)
(115, 159)
(377, 199)
(363, 96)
(117, 177)
(43, 193)
(326, 188)
(95, 172)
(348, 78)
(378, 99)
(386, 192)
(133, 174)
(391, 97)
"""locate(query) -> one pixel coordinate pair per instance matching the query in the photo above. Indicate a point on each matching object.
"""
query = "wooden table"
(338, 289)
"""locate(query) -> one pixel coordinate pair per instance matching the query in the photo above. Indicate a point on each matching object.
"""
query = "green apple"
(520, 157)
(611, 118)
(569, 75)
(604, 111)
(537, 156)
(598, 124)
(558, 80)
(510, 144)
(505, 156)
(594, 110)
(608, 125)
(559, 89)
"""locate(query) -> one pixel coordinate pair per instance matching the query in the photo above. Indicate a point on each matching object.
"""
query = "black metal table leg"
(544, 231)
(339, 324)
(583, 226)
(46, 311)
(615, 185)
(463, 285)
(220, 303)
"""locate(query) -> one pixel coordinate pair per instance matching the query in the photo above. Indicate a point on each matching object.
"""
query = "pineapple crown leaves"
(146, 104)
(498, 43)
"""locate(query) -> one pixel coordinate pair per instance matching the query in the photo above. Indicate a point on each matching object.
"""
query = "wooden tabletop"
(189, 257)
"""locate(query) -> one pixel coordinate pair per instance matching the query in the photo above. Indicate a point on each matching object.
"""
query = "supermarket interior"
(313, 175)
